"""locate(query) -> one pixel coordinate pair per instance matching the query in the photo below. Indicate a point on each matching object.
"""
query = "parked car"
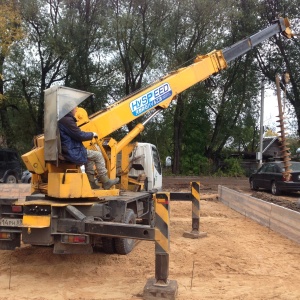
(26, 177)
(10, 166)
(270, 177)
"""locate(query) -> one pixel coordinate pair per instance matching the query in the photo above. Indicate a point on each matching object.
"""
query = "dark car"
(10, 166)
(26, 177)
(270, 177)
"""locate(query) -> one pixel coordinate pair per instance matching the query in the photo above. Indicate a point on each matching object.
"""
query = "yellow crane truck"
(62, 210)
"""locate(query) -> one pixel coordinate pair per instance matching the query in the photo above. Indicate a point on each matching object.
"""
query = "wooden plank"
(275, 217)
(286, 222)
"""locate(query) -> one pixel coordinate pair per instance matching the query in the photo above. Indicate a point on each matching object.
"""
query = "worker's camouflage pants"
(95, 158)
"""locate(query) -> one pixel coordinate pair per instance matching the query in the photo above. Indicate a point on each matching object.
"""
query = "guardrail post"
(161, 287)
(195, 233)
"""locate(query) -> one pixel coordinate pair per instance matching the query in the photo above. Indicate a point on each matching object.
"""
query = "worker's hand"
(95, 135)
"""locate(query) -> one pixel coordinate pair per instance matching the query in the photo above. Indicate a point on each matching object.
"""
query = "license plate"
(11, 222)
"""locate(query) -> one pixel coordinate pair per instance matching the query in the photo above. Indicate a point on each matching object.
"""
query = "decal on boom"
(150, 99)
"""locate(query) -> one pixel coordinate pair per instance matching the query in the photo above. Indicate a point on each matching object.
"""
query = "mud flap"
(37, 236)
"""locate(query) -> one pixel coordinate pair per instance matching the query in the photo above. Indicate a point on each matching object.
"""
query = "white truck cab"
(145, 160)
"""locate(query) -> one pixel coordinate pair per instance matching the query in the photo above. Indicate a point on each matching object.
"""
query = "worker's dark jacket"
(71, 138)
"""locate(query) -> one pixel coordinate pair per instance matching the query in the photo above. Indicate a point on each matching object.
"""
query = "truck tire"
(124, 245)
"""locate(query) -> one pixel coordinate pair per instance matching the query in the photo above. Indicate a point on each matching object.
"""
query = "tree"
(136, 28)
(192, 28)
(84, 27)
(196, 131)
(45, 53)
(238, 88)
(234, 104)
(10, 32)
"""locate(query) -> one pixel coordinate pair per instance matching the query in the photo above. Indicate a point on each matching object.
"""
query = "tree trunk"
(178, 126)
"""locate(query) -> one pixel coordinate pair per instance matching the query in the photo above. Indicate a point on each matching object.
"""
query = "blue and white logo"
(151, 99)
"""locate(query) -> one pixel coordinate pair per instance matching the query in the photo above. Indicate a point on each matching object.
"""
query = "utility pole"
(260, 153)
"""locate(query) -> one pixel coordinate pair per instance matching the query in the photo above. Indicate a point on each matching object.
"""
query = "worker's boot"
(93, 184)
(108, 183)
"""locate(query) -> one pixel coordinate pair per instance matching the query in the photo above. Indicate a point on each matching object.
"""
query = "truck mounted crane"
(62, 209)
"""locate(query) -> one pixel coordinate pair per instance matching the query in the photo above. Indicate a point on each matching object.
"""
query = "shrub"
(232, 167)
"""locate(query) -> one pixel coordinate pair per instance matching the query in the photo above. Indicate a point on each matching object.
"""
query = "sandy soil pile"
(238, 259)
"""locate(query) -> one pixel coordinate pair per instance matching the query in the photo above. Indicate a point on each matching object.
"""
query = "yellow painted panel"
(36, 221)
(74, 185)
(68, 185)
(34, 161)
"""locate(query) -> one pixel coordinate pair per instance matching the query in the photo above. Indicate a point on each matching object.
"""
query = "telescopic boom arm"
(160, 94)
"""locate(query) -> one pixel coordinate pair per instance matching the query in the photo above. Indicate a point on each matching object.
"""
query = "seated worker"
(71, 137)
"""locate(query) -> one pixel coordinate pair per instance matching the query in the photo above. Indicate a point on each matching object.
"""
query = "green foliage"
(10, 26)
(167, 171)
(232, 167)
(196, 165)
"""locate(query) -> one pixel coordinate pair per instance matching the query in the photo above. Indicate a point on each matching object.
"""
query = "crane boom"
(160, 94)
(281, 25)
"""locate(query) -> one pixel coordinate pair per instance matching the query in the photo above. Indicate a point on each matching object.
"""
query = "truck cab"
(145, 160)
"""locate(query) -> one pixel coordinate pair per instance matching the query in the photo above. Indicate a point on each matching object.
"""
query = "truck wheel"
(125, 245)
(108, 245)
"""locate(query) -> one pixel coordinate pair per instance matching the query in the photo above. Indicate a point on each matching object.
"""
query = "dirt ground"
(238, 259)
